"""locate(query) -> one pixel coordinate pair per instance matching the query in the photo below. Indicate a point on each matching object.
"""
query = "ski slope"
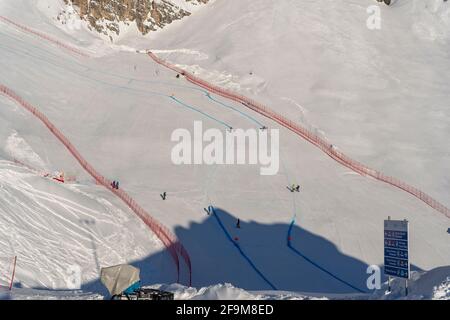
(119, 108)
(379, 95)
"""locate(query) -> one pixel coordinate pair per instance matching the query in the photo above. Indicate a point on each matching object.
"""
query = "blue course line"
(65, 68)
(105, 72)
(201, 112)
(6, 48)
(211, 209)
(314, 263)
(230, 107)
(207, 93)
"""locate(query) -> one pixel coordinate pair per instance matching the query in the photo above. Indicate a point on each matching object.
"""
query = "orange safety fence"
(308, 135)
(169, 240)
(44, 37)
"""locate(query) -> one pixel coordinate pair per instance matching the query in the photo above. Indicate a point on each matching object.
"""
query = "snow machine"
(123, 283)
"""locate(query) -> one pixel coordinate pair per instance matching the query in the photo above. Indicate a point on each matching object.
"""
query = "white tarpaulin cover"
(118, 278)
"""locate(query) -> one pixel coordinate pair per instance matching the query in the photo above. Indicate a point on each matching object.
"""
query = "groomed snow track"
(169, 240)
(238, 247)
(319, 142)
(45, 37)
(315, 264)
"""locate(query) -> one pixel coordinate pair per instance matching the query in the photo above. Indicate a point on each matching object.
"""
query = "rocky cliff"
(149, 15)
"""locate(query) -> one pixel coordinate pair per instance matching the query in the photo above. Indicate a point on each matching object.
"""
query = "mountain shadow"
(255, 257)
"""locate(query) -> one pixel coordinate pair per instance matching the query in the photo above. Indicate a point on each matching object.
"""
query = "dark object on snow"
(294, 187)
(163, 195)
(207, 211)
(123, 283)
(387, 2)
(448, 230)
(238, 224)
(178, 76)
(145, 294)
(115, 185)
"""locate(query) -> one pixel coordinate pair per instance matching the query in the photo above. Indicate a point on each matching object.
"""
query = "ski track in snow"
(40, 198)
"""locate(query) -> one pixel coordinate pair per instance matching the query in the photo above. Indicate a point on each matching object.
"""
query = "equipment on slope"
(123, 283)
(118, 279)
(59, 177)
(163, 195)
(294, 187)
(147, 294)
(387, 2)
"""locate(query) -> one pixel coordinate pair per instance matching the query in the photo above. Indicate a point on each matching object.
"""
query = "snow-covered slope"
(434, 284)
(379, 95)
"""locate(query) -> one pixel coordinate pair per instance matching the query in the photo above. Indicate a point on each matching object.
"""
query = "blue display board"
(396, 248)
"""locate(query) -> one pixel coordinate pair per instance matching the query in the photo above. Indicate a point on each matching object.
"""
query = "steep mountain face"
(105, 15)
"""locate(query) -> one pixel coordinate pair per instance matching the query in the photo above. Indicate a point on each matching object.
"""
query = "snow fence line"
(308, 135)
(12, 271)
(169, 240)
(45, 37)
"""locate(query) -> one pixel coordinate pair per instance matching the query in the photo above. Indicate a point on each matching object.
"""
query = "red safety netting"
(44, 36)
(7, 271)
(308, 135)
(170, 241)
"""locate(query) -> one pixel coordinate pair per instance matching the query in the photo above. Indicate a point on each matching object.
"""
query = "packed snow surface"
(381, 96)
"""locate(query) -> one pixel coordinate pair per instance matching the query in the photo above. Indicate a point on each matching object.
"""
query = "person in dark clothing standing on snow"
(115, 185)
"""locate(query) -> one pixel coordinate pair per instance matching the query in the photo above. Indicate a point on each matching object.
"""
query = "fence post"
(13, 273)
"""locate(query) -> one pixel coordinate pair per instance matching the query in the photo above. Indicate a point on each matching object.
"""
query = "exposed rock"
(105, 15)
